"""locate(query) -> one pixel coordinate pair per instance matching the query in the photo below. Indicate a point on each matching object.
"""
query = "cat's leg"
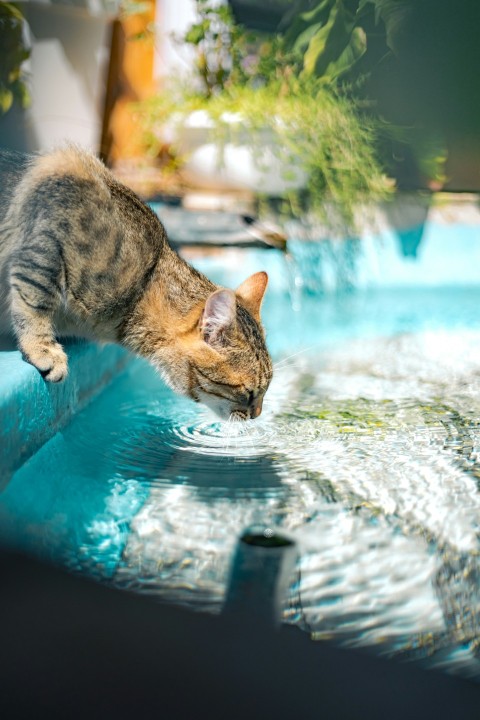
(35, 294)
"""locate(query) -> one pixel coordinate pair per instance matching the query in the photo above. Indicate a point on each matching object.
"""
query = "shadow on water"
(457, 587)
(161, 456)
(203, 483)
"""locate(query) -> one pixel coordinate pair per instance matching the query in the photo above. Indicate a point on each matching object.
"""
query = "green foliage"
(343, 41)
(13, 54)
(213, 36)
(261, 80)
(425, 144)
(226, 54)
(393, 14)
(333, 35)
(311, 127)
(331, 44)
(314, 129)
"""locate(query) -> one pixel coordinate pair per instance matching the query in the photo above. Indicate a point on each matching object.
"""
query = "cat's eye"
(215, 381)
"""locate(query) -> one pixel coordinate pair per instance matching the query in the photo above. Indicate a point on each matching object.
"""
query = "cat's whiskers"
(226, 436)
(251, 431)
(284, 361)
(245, 433)
(276, 398)
(229, 433)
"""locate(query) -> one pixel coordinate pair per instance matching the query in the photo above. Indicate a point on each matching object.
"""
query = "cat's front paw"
(49, 359)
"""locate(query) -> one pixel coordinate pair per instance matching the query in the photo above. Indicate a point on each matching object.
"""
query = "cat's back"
(67, 206)
(57, 172)
(70, 187)
(22, 176)
(72, 182)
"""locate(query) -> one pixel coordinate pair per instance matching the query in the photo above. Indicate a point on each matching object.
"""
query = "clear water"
(367, 453)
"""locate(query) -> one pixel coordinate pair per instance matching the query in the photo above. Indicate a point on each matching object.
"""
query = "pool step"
(33, 410)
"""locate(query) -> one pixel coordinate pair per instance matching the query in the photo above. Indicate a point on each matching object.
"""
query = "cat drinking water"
(81, 254)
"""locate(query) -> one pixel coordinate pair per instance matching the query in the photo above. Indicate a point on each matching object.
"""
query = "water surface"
(367, 453)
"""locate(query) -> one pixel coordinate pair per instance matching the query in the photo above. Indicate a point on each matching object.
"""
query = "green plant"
(316, 130)
(313, 127)
(213, 36)
(332, 36)
(12, 56)
(227, 54)
(346, 41)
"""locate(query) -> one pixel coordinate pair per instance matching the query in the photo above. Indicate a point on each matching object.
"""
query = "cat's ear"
(251, 293)
(219, 316)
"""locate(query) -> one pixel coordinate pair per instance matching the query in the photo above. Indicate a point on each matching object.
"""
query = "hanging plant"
(253, 111)
(13, 88)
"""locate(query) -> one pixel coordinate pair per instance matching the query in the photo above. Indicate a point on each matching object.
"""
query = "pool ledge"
(32, 410)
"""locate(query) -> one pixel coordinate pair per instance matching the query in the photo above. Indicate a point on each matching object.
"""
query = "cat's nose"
(256, 408)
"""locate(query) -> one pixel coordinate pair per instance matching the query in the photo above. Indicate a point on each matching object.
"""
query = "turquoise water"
(367, 453)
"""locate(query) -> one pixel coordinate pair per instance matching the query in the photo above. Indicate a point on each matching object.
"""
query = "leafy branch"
(12, 56)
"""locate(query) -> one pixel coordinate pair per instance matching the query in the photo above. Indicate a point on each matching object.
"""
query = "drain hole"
(266, 539)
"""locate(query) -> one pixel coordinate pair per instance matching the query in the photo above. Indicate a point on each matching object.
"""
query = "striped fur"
(80, 254)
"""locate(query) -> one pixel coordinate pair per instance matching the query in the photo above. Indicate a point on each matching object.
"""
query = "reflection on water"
(367, 453)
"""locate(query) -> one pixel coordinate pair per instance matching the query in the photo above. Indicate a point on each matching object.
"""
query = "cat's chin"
(221, 409)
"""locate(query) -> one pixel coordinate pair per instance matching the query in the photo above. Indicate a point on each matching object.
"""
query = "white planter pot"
(243, 162)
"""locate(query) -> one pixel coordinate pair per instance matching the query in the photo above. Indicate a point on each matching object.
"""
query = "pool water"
(367, 453)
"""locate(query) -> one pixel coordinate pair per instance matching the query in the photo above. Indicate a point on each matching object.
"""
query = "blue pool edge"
(33, 410)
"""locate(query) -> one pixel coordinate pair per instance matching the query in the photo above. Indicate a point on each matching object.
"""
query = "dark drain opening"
(261, 575)
(266, 539)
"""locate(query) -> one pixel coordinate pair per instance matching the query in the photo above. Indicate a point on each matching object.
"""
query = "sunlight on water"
(367, 452)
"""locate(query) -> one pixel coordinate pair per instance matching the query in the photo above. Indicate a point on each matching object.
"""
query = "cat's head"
(228, 367)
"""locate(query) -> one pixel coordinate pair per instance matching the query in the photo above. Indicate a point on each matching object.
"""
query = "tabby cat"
(80, 254)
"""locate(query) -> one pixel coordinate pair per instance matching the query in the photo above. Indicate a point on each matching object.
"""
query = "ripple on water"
(235, 439)
(205, 455)
(369, 456)
(378, 488)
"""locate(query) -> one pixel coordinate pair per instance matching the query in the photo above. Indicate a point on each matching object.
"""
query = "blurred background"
(361, 96)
